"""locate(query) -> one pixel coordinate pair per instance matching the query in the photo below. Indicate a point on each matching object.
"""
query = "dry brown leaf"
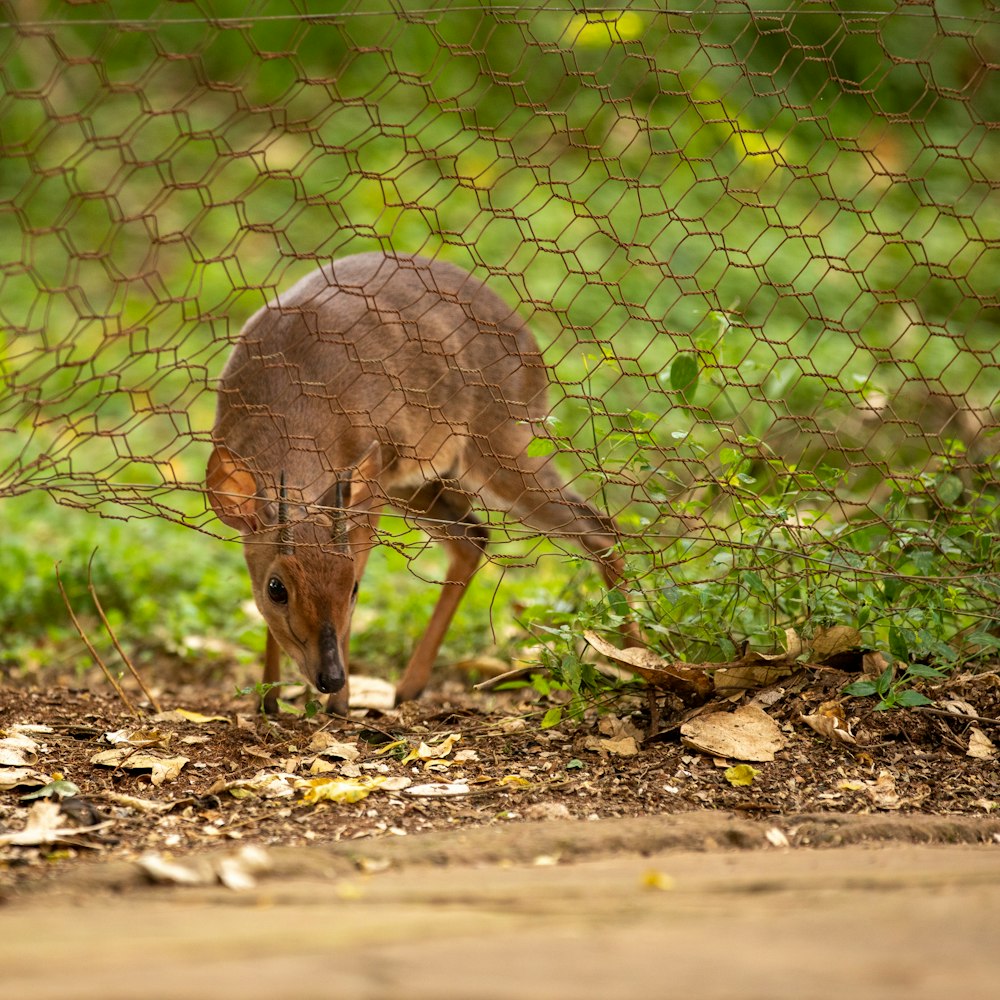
(439, 788)
(681, 678)
(327, 745)
(748, 734)
(834, 641)
(44, 825)
(626, 746)
(981, 747)
(266, 784)
(139, 738)
(185, 715)
(615, 729)
(161, 768)
(483, 665)
(433, 752)
(235, 871)
(18, 751)
(776, 837)
(191, 871)
(21, 777)
(957, 706)
(138, 804)
(882, 791)
(372, 692)
(755, 673)
(873, 664)
(830, 726)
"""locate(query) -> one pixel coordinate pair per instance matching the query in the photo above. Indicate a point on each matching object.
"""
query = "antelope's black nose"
(331, 676)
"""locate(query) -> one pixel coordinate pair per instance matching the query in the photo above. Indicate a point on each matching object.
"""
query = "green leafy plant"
(261, 688)
(894, 687)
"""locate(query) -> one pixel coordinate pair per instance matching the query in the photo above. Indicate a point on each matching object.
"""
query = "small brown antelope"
(380, 379)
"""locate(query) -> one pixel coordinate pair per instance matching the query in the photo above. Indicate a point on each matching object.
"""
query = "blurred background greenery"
(759, 248)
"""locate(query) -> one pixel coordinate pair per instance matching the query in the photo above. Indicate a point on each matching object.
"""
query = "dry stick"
(956, 716)
(511, 675)
(93, 652)
(114, 638)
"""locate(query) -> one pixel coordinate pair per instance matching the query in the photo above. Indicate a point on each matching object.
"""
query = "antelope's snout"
(331, 675)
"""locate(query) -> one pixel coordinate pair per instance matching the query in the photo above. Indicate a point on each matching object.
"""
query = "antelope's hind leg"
(538, 498)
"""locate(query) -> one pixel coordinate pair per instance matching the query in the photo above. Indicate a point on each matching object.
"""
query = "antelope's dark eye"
(354, 590)
(276, 591)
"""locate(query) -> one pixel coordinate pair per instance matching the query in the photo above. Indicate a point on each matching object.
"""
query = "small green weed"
(261, 689)
(894, 687)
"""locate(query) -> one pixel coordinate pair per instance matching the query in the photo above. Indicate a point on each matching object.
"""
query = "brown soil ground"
(566, 865)
(904, 762)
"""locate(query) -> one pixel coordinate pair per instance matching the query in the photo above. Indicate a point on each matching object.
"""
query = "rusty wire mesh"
(759, 250)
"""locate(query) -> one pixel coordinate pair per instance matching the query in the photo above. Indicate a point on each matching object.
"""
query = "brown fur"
(407, 382)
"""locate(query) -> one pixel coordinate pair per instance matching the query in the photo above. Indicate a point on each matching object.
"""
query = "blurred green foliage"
(746, 240)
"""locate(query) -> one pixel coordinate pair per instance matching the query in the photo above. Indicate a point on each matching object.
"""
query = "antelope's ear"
(232, 491)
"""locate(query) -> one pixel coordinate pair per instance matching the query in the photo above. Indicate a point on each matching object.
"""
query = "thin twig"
(957, 716)
(511, 675)
(93, 652)
(114, 638)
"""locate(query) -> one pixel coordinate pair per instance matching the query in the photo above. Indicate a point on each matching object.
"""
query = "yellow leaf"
(849, 785)
(433, 751)
(183, 715)
(198, 718)
(320, 766)
(741, 774)
(336, 789)
(515, 781)
(658, 880)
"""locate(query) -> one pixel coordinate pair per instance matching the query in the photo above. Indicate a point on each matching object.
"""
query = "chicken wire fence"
(758, 247)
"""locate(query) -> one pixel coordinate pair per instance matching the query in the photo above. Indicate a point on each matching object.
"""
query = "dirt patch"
(771, 923)
(237, 778)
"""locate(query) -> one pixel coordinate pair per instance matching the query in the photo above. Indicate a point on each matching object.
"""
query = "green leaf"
(923, 670)
(60, 788)
(912, 698)
(884, 681)
(552, 717)
(541, 446)
(755, 584)
(861, 689)
(618, 602)
(948, 488)
(684, 376)
(897, 644)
